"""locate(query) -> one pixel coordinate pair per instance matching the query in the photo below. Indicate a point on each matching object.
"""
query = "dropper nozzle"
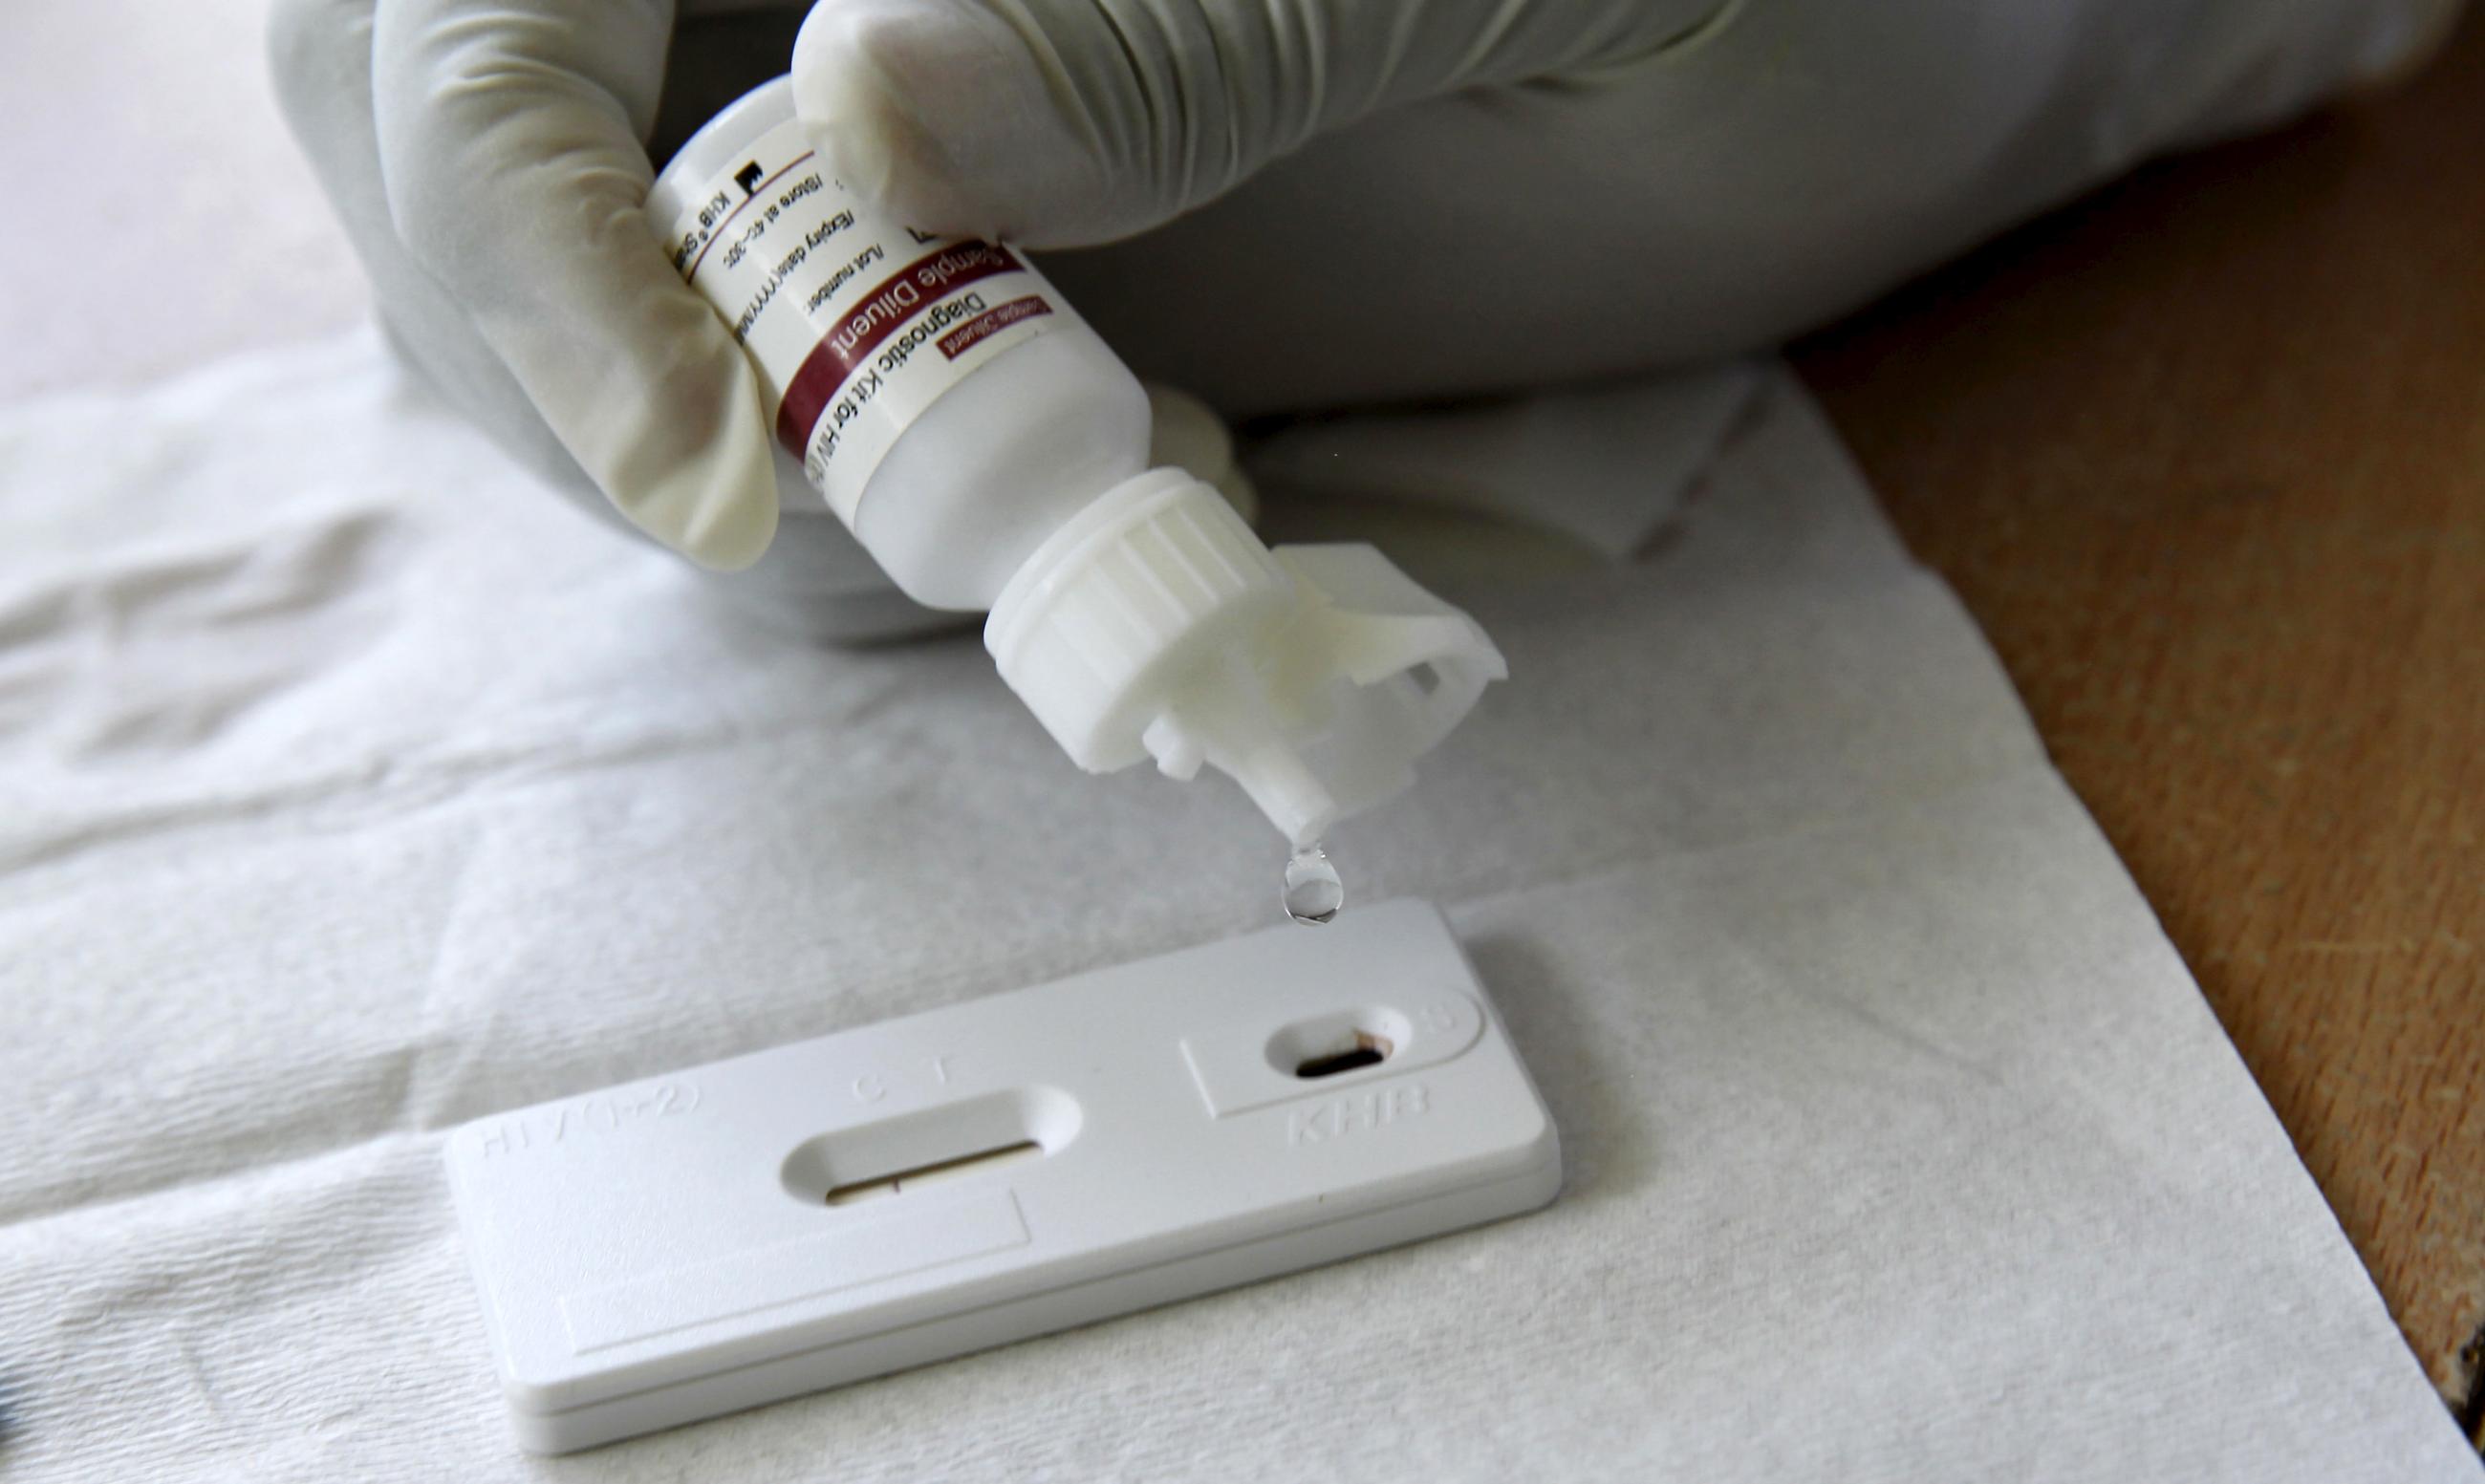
(1155, 625)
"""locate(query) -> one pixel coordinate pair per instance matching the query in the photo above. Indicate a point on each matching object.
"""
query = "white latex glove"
(490, 163)
(1376, 199)
(1332, 202)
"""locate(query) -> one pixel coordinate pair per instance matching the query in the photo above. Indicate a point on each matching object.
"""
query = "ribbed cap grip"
(1152, 578)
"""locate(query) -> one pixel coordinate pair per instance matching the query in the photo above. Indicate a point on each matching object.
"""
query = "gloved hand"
(1325, 201)
(490, 161)
(1312, 202)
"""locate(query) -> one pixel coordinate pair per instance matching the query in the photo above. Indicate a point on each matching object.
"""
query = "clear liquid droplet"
(1313, 891)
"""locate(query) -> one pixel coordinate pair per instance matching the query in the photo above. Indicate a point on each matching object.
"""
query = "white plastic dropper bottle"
(990, 452)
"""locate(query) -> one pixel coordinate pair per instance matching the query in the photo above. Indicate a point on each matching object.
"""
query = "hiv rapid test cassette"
(902, 1193)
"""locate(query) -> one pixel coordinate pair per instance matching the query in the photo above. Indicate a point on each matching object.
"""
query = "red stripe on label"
(875, 317)
(991, 323)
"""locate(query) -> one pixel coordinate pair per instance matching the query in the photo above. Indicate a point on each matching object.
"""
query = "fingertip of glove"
(711, 497)
(938, 113)
(735, 536)
(723, 517)
(674, 428)
(852, 106)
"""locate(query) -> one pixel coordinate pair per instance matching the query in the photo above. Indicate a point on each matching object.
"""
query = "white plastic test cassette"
(809, 1215)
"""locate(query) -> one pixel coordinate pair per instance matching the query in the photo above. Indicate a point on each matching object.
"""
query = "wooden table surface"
(2205, 456)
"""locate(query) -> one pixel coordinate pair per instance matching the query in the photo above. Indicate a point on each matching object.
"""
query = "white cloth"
(349, 789)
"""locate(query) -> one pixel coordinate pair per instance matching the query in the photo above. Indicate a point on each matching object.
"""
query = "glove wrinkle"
(1468, 195)
(1666, 46)
(508, 139)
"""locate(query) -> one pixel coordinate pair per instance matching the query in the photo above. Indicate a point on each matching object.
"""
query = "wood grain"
(2205, 456)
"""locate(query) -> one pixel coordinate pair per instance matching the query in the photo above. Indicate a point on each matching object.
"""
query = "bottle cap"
(1156, 624)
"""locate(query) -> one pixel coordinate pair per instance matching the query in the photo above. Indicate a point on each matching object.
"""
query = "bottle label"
(855, 326)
